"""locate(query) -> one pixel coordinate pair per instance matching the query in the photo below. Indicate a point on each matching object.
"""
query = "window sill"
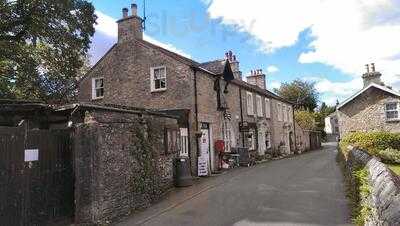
(158, 90)
(392, 120)
(97, 98)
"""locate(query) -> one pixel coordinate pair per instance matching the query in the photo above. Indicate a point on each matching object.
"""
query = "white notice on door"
(31, 155)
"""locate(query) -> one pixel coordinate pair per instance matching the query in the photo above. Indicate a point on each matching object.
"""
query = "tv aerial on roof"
(144, 15)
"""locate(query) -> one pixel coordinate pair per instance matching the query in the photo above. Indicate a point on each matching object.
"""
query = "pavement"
(305, 189)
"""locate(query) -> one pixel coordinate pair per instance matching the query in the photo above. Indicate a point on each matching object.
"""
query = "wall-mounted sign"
(31, 155)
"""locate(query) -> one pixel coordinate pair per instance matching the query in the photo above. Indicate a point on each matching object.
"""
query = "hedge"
(384, 145)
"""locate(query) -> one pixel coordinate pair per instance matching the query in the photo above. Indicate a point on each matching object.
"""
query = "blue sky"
(301, 41)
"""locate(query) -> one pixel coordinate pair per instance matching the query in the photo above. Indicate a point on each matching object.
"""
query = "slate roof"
(215, 66)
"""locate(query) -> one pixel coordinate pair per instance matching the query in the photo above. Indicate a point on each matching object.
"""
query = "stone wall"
(367, 113)
(302, 139)
(120, 165)
(385, 188)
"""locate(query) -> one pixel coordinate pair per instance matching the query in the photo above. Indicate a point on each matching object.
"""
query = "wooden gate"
(35, 192)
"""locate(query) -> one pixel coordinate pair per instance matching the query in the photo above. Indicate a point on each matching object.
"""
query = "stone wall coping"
(120, 109)
(385, 187)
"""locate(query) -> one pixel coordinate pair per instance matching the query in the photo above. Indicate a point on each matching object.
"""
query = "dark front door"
(36, 176)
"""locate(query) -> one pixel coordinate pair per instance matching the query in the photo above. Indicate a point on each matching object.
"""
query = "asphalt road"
(302, 190)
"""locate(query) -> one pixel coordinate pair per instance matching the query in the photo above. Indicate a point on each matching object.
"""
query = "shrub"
(305, 119)
(372, 142)
(389, 155)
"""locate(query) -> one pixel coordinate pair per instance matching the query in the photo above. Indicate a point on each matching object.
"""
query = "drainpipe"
(241, 113)
(294, 130)
(196, 112)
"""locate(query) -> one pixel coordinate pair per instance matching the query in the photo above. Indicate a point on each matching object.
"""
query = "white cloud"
(346, 34)
(273, 85)
(332, 91)
(107, 33)
(272, 69)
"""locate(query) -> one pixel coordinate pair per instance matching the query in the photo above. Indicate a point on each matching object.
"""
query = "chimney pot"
(124, 13)
(134, 9)
(367, 66)
(373, 67)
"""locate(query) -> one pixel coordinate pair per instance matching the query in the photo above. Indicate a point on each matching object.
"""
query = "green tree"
(302, 93)
(305, 119)
(43, 46)
(326, 110)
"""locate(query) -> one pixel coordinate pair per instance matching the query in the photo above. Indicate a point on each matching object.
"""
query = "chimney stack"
(124, 13)
(257, 78)
(130, 27)
(134, 9)
(372, 76)
(234, 64)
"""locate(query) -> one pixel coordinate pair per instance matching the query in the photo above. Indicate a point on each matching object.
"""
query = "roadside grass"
(395, 168)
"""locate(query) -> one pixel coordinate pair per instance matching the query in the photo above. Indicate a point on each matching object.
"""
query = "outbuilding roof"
(372, 85)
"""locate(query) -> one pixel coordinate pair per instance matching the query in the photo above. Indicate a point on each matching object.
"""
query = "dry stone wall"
(120, 165)
(385, 188)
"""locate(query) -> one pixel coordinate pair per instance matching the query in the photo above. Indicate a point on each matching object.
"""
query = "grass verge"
(395, 168)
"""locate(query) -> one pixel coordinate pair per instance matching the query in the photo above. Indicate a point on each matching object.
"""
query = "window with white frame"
(97, 88)
(158, 78)
(250, 104)
(392, 111)
(279, 111)
(184, 142)
(284, 112)
(259, 106)
(228, 135)
(251, 140)
(267, 108)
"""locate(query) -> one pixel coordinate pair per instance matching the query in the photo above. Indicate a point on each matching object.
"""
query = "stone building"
(374, 108)
(332, 127)
(212, 99)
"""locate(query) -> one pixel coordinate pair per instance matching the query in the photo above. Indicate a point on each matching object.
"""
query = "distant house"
(332, 127)
(374, 108)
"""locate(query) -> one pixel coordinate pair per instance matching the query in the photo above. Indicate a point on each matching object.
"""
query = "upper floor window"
(284, 112)
(267, 108)
(97, 88)
(259, 106)
(279, 111)
(249, 100)
(392, 111)
(289, 113)
(158, 78)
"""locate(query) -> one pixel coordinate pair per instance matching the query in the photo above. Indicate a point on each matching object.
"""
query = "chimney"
(124, 13)
(130, 27)
(234, 64)
(372, 76)
(257, 78)
(134, 9)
